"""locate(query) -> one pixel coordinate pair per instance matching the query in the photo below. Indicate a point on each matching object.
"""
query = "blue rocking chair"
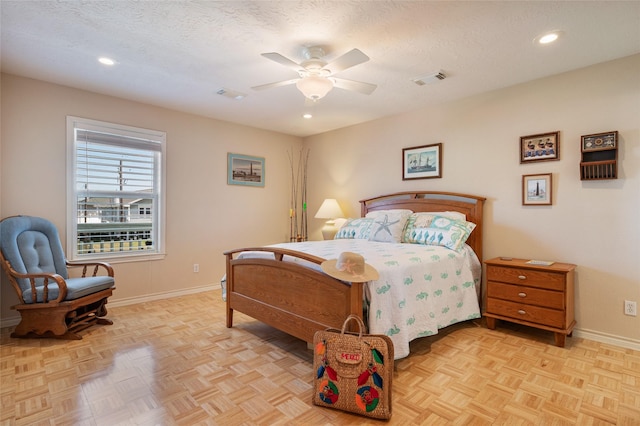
(51, 303)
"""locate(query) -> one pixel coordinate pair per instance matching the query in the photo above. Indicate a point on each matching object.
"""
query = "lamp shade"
(330, 209)
(314, 87)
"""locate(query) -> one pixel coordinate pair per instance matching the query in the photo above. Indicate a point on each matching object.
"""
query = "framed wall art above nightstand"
(537, 190)
(542, 147)
(599, 156)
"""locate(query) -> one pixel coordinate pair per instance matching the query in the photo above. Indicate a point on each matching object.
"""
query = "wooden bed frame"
(299, 300)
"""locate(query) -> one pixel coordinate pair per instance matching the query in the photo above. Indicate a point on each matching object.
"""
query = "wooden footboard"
(291, 297)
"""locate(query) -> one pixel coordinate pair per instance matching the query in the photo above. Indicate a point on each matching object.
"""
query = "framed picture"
(245, 170)
(545, 146)
(600, 141)
(422, 162)
(536, 190)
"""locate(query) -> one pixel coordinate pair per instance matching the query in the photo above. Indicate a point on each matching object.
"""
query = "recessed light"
(307, 115)
(106, 61)
(548, 37)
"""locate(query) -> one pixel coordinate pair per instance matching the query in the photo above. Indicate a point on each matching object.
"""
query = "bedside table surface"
(522, 263)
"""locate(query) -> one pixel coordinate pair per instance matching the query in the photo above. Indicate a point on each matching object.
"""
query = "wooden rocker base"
(62, 321)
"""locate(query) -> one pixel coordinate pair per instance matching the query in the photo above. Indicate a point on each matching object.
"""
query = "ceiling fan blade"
(355, 86)
(348, 60)
(276, 84)
(276, 57)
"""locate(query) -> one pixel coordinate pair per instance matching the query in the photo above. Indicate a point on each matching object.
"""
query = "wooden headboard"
(425, 201)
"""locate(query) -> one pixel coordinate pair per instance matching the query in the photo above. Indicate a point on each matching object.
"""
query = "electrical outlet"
(196, 267)
(630, 308)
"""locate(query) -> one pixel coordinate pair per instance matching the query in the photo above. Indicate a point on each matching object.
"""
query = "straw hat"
(350, 267)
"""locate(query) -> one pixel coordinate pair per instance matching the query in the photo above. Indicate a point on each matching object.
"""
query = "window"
(115, 191)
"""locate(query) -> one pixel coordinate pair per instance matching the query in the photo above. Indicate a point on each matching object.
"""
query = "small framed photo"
(600, 141)
(422, 162)
(245, 170)
(542, 147)
(537, 190)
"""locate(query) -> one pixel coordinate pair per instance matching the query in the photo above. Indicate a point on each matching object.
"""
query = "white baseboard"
(164, 295)
(610, 339)
(9, 322)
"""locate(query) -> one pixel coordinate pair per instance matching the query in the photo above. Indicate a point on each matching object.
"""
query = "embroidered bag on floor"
(353, 371)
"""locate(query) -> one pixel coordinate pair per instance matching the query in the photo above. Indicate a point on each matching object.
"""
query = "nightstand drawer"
(526, 295)
(529, 313)
(528, 277)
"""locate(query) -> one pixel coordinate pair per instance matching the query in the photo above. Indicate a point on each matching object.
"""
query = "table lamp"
(330, 209)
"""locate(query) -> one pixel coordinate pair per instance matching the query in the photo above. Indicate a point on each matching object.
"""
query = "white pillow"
(388, 225)
(376, 213)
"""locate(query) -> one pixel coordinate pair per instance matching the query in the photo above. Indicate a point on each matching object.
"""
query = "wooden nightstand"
(533, 295)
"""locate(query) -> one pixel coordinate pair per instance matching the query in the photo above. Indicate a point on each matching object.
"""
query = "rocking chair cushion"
(32, 246)
(37, 254)
(76, 288)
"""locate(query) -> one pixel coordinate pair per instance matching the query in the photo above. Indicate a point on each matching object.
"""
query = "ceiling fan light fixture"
(314, 87)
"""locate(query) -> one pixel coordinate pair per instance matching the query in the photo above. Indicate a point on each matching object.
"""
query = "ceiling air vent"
(430, 78)
(232, 94)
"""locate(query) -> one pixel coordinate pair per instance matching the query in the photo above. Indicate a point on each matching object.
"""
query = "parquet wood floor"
(173, 362)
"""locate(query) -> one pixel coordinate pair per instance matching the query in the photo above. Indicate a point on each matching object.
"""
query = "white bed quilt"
(421, 288)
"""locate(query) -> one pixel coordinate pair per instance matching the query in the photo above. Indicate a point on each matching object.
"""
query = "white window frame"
(158, 225)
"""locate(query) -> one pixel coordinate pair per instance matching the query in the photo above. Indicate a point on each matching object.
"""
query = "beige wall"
(595, 225)
(592, 224)
(205, 216)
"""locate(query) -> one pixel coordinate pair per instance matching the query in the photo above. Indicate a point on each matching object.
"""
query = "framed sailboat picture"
(536, 190)
(245, 170)
(422, 162)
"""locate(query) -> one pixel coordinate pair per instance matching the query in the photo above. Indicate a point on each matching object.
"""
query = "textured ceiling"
(178, 54)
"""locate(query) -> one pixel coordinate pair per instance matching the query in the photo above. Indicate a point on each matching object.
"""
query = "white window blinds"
(116, 189)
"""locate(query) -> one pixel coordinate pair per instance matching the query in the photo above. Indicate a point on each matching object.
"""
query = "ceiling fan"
(316, 77)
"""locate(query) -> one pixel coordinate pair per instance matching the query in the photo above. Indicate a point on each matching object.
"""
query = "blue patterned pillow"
(443, 231)
(423, 220)
(355, 229)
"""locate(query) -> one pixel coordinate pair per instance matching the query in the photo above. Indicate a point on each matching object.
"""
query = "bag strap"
(361, 325)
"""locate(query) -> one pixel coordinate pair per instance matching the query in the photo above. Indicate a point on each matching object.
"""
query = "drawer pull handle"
(522, 277)
(521, 312)
(523, 295)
